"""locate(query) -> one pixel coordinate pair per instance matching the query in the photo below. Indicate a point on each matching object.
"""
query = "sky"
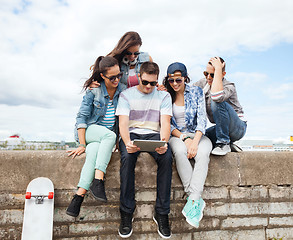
(47, 47)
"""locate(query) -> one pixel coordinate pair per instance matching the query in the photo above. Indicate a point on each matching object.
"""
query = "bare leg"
(99, 174)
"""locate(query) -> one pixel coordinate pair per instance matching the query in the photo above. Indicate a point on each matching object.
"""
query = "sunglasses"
(207, 74)
(130, 53)
(177, 80)
(113, 78)
(145, 82)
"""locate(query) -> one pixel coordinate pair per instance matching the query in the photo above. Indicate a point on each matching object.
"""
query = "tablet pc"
(148, 145)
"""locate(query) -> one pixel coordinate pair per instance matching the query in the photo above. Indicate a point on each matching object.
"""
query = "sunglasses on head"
(113, 78)
(207, 74)
(145, 82)
(130, 53)
(177, 80)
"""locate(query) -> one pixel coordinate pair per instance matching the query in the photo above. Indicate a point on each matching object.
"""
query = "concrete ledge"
(249, 195)
(18, 168)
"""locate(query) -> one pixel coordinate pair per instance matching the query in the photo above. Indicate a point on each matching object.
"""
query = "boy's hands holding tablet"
(131, 148)
(163, 149)
(151, 145)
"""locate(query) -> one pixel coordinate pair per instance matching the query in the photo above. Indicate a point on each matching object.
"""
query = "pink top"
(132, 79)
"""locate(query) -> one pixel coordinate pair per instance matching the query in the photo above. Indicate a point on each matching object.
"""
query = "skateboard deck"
(38, 210)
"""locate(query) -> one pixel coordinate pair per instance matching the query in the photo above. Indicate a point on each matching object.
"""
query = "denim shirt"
(195, 110)
(142, 57)
(94, 106)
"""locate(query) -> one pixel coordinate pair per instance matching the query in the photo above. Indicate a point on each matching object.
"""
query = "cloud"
(47, 46)
(246, 79)
(279, 92)
(36, 123)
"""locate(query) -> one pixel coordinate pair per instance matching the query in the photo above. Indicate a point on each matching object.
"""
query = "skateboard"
(38, 210)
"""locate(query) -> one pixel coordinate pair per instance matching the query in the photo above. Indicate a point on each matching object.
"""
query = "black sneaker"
(125, 228)
(74, 207)
(97, 188)
(163, 225)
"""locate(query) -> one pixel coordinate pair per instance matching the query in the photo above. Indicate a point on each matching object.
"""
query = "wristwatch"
(182, 136)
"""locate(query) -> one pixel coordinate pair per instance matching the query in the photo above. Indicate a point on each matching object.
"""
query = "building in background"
(266, 145)
(15, 142)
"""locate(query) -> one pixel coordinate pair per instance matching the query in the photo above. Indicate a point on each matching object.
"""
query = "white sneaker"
(221, 149)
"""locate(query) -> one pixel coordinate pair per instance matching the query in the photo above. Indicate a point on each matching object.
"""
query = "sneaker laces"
(196, 209)
(164, 221)
(77, 198)
(220, 145)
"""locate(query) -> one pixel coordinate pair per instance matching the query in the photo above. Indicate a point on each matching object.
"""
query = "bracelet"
(185, 138)
(82, 145)
(182, 136)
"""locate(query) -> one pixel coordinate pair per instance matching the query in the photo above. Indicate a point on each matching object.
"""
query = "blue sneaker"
(187, 207)
(196, 213)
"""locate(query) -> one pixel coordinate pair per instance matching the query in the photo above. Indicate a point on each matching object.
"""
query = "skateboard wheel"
(51, 195)
(28, 195)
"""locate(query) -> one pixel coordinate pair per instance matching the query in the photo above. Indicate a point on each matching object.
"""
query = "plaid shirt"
(195, 110)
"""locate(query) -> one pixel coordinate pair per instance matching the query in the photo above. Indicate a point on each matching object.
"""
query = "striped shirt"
(109, 118)
(144, 110)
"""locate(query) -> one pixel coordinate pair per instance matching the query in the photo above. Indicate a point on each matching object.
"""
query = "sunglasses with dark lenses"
(177, 80)
(130, 53)
(113, 78)
(145, 82)
(207, 74)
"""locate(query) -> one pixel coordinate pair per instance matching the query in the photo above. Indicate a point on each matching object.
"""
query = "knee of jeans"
(217, 105)
(168, 157)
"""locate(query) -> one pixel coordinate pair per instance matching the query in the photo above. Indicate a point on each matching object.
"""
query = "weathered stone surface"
(11, 232)
(11, 200)
(281, 221)
(249, 193)
(23, 166)
(232, 169)
(148, 236)
(229, 209)
(264, 168)
(280, 192)
(280, 233)
(230, 235)
(244, 222)
(14, 216)
(80, 238)
(215, 193)
(223, 170)
(242, 201)
(280, 208)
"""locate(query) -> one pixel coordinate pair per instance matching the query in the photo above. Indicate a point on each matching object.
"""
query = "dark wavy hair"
(149, 68)
(222, 61)
(170, 89)
(128, 40)
(101, 65)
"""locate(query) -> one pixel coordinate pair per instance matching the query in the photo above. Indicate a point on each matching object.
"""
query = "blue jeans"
(229, 127)
(127, 176)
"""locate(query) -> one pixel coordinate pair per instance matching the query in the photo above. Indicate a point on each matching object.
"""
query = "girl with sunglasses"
(127, 52)
(130, 58)
(96, 129)
(188, 141)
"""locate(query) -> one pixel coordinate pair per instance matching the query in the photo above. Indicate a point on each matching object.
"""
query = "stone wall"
(248, 195)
